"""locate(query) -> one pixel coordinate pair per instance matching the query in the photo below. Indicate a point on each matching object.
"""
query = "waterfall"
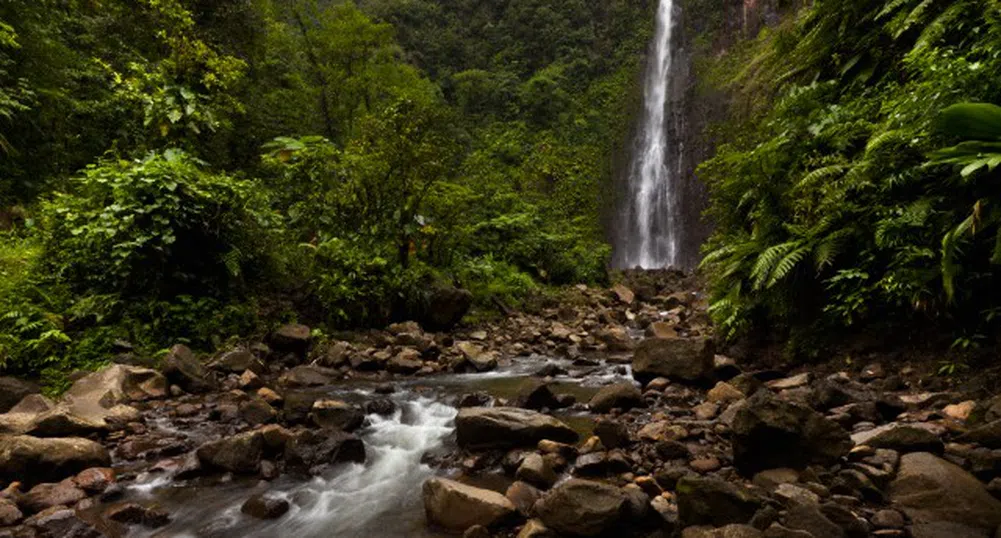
(650, 231)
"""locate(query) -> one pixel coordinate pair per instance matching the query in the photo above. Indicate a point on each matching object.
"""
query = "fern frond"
(767, 262)
(825, 172)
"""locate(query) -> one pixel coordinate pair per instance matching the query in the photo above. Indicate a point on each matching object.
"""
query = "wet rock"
(10, 514)
(13, 390)
(687, 359)
(476, 531)
(582, 508)
(535, 470)
(184, 370)
(59, 522)
(988, 435)
(661, 329)
(95, 480)
(240, 453)
(945, 529)
(291, 338)
(336, 414)
(269, 396)
(33, 460)
(264, 506)
(623, 294)
(712, 501)
(770, 479)
(506, 427)
(792, 495)
(237, 361)
(256, 411)
(615, 338)
(624, 396)
(888, 519)
(796, 381)
(612, 433)
(309, 451)
(728, 531)
(550, 370)
(445, 308)
(706, 411)
(960, 411)
(477, 356)
(523, 496)
(805, 517)
(902, 438)
(307, 376)
(381, 406)
(129, 513)
(770, 433)
(724, 393)
(44, 496)
(406, 362)
(537, 395)
(474, 399)
(535, 528)
(456, 506)
(250, 381)
(930, 489)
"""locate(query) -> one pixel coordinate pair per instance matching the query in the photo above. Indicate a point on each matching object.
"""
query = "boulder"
(445, 308)
(44, 496)
(929, 489)
(10, 514)
(681, 359)
(310, 452)
(623, 294)
(307, 376)
(988, 435)
(240, 453)
(946, 529)
(481, 359)
(727, 531)
(523, 496)
(264, 506)
(13, 390)
(59, 522)
(32, 460)
(582, 508)
(903, 438)
(184, 370)
(616, 338)
(537, 395)
(535, 470)
(624, 396)
(508, 427)
(237, 361)
(713, 501)
(662, 329)
(95, 480)
(769, 433)
(292, 338)
(405, 362)
(256, 411)
(535, 528)
(456, 506)
(337, 415)
(724, 393)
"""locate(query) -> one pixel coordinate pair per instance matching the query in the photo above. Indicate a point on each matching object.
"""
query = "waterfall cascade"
(650, 228)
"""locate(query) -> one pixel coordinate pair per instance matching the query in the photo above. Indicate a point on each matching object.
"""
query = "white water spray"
(651, 231)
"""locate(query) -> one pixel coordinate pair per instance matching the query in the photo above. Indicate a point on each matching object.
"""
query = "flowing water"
(650, 231)
(380, 498)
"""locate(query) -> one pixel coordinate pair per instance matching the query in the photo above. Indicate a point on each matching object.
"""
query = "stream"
(381, 497)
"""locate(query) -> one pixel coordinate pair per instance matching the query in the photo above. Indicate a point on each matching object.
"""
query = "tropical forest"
(500, 268)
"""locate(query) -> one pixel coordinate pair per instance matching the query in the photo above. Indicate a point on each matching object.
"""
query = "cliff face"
(705, 29)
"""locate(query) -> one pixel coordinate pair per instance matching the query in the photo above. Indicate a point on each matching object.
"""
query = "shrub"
(158, 227)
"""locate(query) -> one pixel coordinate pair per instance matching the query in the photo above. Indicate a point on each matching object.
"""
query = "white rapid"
(649, 235)
(378, 498)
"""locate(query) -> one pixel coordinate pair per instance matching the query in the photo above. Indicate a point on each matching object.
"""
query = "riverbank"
(611, 412)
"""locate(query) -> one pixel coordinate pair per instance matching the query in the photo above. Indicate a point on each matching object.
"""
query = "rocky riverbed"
(611, 414)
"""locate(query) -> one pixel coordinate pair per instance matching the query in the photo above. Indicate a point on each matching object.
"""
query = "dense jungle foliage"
(197, 169)
(852, 194)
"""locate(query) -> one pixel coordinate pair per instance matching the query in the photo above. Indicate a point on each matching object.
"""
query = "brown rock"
(457, 507)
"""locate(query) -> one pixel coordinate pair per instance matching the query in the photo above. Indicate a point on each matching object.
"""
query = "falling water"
(650, 231)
